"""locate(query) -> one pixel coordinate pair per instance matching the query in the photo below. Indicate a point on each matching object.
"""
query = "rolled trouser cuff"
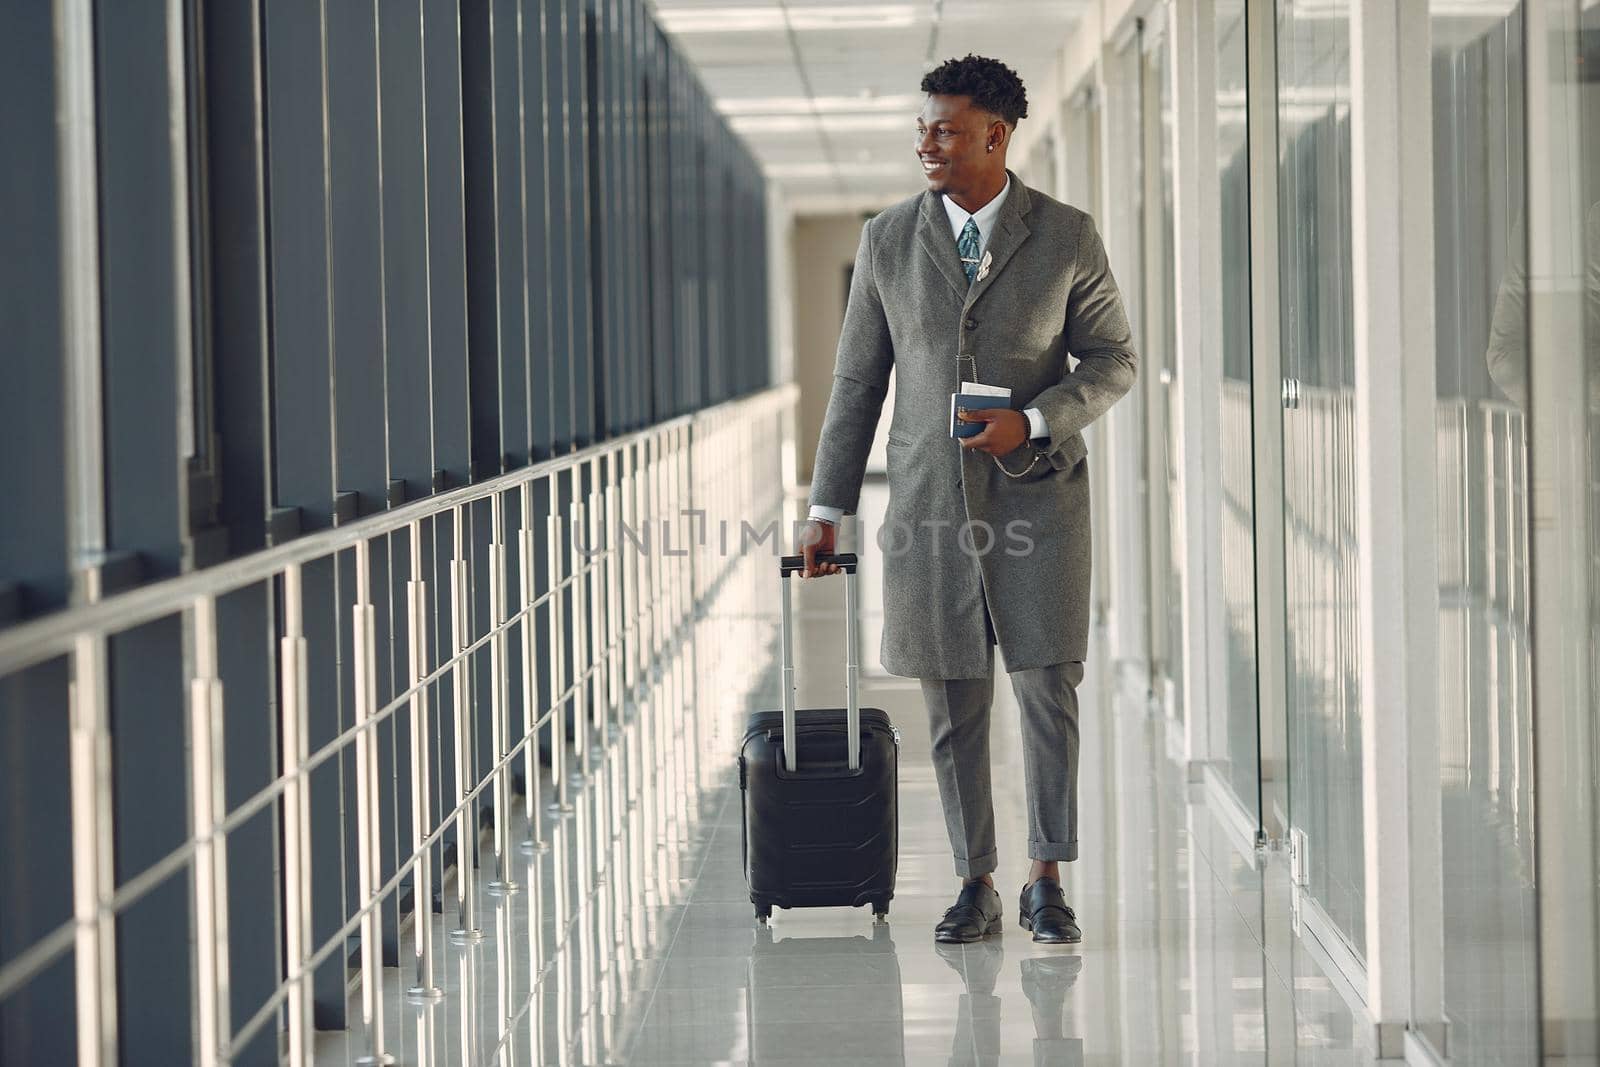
(978, 866)
(1060, 852)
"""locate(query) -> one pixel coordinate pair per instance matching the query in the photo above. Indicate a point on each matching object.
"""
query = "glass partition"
(1319, 527)
(1552, 315)
(1236, 727)
(1489, 962)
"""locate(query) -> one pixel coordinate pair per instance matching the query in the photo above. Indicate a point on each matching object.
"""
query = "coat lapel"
(1010, 232)
(933, 234)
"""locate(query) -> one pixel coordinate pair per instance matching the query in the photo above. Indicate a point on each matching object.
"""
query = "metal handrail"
(35, 641)
(624, 614)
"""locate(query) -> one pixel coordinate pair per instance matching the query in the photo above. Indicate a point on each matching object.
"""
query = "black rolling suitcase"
(820, 821)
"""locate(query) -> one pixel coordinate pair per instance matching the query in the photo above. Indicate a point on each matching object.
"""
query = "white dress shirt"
(985, 217)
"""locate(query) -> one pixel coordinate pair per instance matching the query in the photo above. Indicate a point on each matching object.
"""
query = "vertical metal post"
(786, 646)
(93, 873)
(558, 671)
(293, 729)
(630, 574)
(468, 930)
(647, 563)
(672, 503)
(580, 630)
(597, 606)
(368, 837)
(686, 574)
(852, 672)
(206, 802)
(421, 776)
(651, 580)
(614, 581)
(499, 725)
(685, 500)
(531, 711)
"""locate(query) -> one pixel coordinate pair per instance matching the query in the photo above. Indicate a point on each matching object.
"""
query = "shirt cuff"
(1037, 427)
(827, 514)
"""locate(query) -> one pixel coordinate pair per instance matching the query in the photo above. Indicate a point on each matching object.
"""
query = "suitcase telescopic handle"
(789, 566)
(846, 562)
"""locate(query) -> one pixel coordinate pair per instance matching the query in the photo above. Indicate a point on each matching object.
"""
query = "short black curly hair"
(993, 86)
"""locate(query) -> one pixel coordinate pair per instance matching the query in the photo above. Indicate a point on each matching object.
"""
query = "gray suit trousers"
(958, 721)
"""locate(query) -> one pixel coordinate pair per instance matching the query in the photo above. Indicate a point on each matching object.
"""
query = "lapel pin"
(983, 268)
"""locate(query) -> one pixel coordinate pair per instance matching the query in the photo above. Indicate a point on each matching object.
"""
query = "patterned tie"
(967, 246)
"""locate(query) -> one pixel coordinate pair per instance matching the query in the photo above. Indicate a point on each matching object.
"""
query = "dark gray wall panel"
(143, 328)
(140, 327)
(535, 140)
(36, 1024)
(356, 255)
(483, 296)
(511, 260)
(558, 223)
(148, 703)
(246, 643)
(236, 253)
(33, 541)
(447, 277)
(298, 228)
(405, 247)
(324, 721)
(578, 249)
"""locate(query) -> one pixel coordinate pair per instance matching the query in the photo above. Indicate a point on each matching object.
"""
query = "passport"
(975, 397)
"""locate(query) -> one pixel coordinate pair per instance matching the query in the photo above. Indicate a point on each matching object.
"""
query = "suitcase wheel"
(880, 909)
(763, 913)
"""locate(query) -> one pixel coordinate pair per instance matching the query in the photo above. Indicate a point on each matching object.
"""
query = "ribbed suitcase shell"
(822, 836)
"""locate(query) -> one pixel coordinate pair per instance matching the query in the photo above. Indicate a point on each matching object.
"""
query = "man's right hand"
(817, 537)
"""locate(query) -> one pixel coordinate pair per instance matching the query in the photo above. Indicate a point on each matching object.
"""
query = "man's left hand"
(1006, 430)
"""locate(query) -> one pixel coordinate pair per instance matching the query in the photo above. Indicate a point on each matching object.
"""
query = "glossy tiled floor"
(633, 941)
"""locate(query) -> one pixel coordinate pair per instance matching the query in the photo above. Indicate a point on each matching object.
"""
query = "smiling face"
(953, 145)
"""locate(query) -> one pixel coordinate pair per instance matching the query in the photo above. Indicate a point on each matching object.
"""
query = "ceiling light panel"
(693, 21)
(902, 103)
(759, 125)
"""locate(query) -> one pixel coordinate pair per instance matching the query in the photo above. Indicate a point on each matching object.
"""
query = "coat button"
(971, 323)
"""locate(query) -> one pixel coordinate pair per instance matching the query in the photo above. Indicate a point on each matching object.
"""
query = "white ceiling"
(826, 93)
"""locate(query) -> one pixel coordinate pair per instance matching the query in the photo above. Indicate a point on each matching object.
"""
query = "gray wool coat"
(1048, 292)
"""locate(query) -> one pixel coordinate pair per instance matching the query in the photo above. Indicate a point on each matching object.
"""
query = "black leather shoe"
(1044, 911)
(975, 913)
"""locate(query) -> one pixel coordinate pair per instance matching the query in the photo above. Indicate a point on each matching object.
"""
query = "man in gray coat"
(981, 279)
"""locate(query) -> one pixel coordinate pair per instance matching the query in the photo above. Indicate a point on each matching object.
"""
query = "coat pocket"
(1072, 452)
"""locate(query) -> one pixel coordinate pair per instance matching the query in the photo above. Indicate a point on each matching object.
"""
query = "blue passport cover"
(974, 402)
